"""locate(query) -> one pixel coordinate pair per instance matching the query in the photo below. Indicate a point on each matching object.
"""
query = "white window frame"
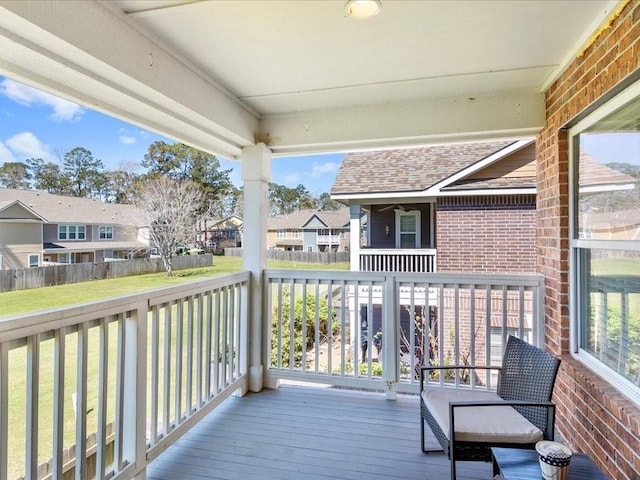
(281, 233)
(295, 233)
(624, 385)
(37, 260)
(412, 213)
(108, 232)
(76, 229)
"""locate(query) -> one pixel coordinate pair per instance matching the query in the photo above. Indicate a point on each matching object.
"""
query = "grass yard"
(25, 301)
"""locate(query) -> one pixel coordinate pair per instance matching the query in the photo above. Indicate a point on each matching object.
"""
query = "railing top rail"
(477, 279)
(44, 321)
(331, 275)
(168, 294)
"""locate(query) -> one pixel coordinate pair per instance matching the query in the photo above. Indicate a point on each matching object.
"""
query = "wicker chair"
(467, 423)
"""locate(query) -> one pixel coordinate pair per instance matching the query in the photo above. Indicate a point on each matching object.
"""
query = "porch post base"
(256, 378)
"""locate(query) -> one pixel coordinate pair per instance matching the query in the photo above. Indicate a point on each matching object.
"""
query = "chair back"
(528, 373)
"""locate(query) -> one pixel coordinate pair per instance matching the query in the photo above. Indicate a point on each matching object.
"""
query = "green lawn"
(24, 301)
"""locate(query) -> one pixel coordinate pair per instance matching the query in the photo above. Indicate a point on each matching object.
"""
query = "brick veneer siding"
(486, 234)
(592, 416)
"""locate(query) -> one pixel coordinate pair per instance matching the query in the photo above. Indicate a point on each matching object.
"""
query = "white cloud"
(322, 168)
(27, 145)
(292, 179)
(127, 140)
(5, 154)
(63, 110)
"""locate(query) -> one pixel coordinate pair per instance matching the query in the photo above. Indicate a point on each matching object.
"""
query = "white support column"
(354, 237)
(256, 174)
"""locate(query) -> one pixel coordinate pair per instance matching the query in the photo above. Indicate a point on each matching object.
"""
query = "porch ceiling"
(218, 74)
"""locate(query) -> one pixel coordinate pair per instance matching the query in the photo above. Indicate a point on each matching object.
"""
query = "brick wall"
(486, 234)
(592, 416)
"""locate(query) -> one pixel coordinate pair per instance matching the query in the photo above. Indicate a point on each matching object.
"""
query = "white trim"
(411, 213)
(430, 194)
(613, 378)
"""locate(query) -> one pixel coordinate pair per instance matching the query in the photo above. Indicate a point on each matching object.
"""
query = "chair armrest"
(548, 430)
(454, 367)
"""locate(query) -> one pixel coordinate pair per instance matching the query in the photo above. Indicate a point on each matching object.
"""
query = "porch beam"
(117, 70)
(385, 125)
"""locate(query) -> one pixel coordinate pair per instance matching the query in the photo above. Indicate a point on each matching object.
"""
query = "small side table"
(521, 464)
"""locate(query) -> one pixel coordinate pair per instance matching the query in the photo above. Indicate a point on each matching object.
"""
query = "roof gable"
(16, 210)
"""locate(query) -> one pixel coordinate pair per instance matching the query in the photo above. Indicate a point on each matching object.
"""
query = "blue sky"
(34, 124)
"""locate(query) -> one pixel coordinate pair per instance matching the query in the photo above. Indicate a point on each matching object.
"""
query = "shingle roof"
(332, 218)
(408, 169)
(63, 209)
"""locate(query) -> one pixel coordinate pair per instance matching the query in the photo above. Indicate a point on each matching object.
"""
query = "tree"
(171, 210)
(85, 173)
(284, 200)
(120, 182)
(15, 175)
(325, 202)
(182, 162)
(47, 176)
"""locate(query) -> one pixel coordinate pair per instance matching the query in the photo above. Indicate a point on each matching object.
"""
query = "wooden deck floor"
(309, 433)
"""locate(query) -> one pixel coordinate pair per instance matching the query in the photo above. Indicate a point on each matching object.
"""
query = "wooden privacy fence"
(297, 256)
(36, 277)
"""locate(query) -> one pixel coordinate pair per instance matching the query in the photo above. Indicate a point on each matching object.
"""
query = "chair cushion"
(495, 424)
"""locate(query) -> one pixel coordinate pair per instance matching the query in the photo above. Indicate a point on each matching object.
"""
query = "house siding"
(17, 242)
(486, 234)
(592, 416)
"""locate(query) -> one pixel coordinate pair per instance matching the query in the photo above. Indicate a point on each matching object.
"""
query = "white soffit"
(300, 74)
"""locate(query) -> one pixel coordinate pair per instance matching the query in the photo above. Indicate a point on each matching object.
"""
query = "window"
(281, 234)
(295, 233)
(408, 229)
(605, 241)
(71, 232)
(106, 232)
(64, 258)
(34, 260)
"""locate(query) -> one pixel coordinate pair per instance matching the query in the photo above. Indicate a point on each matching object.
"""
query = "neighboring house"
(65, 229)
(466, 207)
(310, 231)
(220, 233)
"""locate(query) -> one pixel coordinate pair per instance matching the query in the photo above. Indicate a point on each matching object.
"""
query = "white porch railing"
(398, 260)
(99, 390)
(375, 331)
(328, 239)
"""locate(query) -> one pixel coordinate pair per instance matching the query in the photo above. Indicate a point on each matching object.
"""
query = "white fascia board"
(493, 158)
(488, 191)
(429, 196)
(387, 197)
(508, 114)
(91, 53)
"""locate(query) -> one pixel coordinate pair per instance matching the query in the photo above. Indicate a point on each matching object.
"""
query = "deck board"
(308, 433)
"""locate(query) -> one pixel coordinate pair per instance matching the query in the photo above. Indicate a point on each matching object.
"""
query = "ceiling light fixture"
(362, 8)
